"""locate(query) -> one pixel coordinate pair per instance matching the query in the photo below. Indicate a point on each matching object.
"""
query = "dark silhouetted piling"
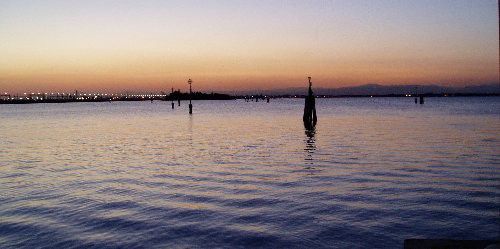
(172, 97)
(416, 94)
(179, 97)
(310, 119)
(190, 97)
(421, 99)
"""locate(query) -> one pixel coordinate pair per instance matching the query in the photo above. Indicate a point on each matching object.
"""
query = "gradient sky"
(231, 45)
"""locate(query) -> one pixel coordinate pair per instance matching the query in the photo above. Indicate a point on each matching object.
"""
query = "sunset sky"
(239, 45)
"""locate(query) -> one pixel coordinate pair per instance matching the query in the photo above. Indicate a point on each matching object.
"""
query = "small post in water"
(172, 97)
(190, 97)
(416, 94)
(178, 97)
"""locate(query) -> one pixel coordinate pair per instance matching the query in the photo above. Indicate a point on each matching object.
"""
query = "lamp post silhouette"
(190, 96)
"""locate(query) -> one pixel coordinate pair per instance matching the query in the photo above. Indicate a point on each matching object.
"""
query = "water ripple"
(240, 175)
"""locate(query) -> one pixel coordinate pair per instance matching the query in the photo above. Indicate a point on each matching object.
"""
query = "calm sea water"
(140, 175)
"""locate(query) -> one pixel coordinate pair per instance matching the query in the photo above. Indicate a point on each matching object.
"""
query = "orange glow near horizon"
(238, 46)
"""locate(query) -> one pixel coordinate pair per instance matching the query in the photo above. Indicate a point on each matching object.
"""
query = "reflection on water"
(310, 146)
(235, 174)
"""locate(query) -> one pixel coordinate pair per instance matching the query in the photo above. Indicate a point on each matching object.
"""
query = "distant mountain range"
(376, 89)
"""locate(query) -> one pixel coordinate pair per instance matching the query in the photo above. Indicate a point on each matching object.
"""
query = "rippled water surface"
(140, 175)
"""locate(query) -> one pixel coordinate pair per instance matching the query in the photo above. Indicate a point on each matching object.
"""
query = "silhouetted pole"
(178, 97)
(416, 95)
(310, 119)
(172, 97)
(421, 97)
(190, 97)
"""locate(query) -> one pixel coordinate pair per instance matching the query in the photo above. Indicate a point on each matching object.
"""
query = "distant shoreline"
(229, 97)
(377, 95)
